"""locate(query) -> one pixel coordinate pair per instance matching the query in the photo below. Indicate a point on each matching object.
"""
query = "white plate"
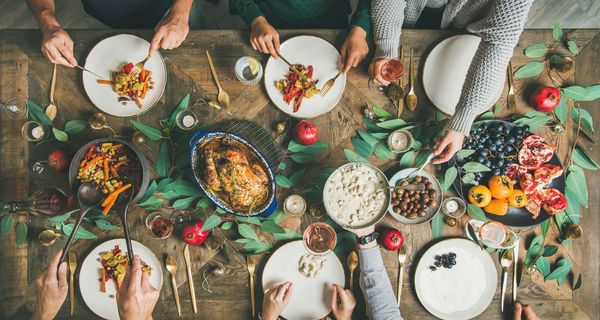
(110, 55)
(446, 69)
(464, 291)
(100, 303)
(324, 58)
(430, 212)
(311, 297)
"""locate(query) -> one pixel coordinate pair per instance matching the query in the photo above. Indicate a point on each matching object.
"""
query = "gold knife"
(188, 264)
(303, 77)
(400, 101)
(86, 70)
(510, 98)
(72, 268)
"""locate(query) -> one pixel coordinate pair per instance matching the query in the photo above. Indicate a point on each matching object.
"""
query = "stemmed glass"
(319, 238)
(391, 71)
(14, 108)
(496, 235)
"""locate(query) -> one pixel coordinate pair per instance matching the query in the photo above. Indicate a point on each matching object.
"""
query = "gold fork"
(510, 98)
(251, 267)
(139, 67)
(411, 98)
(401, 261)
(329, 84)
(72, 268)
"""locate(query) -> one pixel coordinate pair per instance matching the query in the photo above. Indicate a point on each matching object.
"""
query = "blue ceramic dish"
(203, 137)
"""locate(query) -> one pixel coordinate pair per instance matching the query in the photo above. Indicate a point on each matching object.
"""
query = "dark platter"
(515, 217)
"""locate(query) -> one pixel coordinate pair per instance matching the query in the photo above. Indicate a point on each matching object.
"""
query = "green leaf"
(449, 177)
(282, 181)
(316, 147)
(383, 152)
(562, 110)
(345, 243)
(271, 227)
(439, 116)
(105, 225)
(75, 126)
(287, 235)
(575, 93)
(353, 156)
(6, 224)
(468, 177)
(296, 178)
(465, 153)
(533, 253)
(497, 109)
(543, 264)
(534, 114)
(211, 222)
(363, 148)
(560, 272)
(587, 122)
(202, 203)
(549, 250)
(473, 166)
(151, 202)
(184, 203)
(535, 122)
(148, 131)
(581, 158)
(380, 135)
(487, 116)
(407, 159)
(294, 146)
(593, 92)
(371, 126)
(247, 232)
(475, 212)
(392, 124)
(150, 191)
(21, 233)
(163, 163)
(473, 235)
(529, 70)
(557, 33)
(243, 240)
(572, 47)
(381, 113)
(183, 104)
(257, 246)
(422, 157)
(556, 59)
(60, 135)
(303, 158)
(538, 240)
(437, 226)
(82, 233)
(37, 113)
(226, 225)
(577, 284)
(369, 138)
(537, 50)
(577, 183)
(545, 226)
(282, 166)
(61, 218)
(252, 220)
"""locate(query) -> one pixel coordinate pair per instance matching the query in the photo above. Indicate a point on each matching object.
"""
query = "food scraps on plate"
(128, 86)
(296, 88)
(114, 267)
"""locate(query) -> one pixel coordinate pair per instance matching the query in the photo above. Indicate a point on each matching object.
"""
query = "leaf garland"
(537, 50)
(557, 32)
(475, 212)
(211, 222)
(529, 70)
(21, 233)
(6, 224)
(437, 226)
(148, 131)
(561, 270)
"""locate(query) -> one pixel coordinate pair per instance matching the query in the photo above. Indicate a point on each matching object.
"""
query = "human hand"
(519, 310)
(275, 300)
(170, 32)
(342, 303)
(447, 146)
(51, 289)
(57, 46)
(375, 70)
(264, 37)
(354, 49)
(136, 297)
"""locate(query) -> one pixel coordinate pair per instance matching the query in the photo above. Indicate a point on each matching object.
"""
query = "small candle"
(399, 141)
(451, 206)
(37, 132)
(294, 205)
(188, 120)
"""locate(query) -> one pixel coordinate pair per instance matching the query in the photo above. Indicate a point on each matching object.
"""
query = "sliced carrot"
(145, 90)
(102, 280)
(113, 196)
(104, 81)
(83, 162)
(105, 170)
(92, 163)
(137, 102)
(109, 206)
(114, 172)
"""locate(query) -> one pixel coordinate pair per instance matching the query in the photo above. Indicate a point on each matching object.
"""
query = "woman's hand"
(51, 289)
(170, 32)
(447, 146)
(519, 310)
(136, 297)
(57, 46)
(375, 70)
(264, 37)
(275, 300)
(354, 49)
(342, 303)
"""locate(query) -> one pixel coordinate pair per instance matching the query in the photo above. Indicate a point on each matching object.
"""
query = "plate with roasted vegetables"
(103, 270)
(121, 92)
(297, 92)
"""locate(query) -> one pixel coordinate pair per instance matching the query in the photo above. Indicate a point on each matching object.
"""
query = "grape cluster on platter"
(496, 145)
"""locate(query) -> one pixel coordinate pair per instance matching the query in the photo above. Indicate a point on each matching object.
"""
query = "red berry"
(391, 239)
(59, 160)
(544, 99)
(306, 133)
(193, 234)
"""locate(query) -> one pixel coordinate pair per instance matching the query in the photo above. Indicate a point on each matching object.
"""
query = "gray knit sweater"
(499, 24)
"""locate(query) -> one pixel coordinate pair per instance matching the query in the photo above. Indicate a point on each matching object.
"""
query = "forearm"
(181, 8)
(376, 286)
(44, 13)
(247, 10)
(362, 17)
(387, 17)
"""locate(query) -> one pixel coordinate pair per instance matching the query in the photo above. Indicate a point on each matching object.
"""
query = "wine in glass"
(47, 202)
(14, 108)
(319, 238)
(391, 71)
(496, 235)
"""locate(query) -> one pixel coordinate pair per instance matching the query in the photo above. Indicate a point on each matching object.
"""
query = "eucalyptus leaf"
(577, 284)
(6, 224)
(294, 146)
(211, 222)
(543, 264)
(183, 104)
(497, 109)
(475, 212)
(202, 203)
(392, 124)
(185, 203)
(226, 225)
(148, 131)
(353, 156)
(439, 116)
(468, 177)
(282, 166)
(60, 135)
(380, 135)
(251, 220)
(407, 160)
(593, 92)
(437, 226)
(581, 158)
(422, 157)
(61, 218)
(271, 227)
(369, 138)
(257, 246)
(587, 121)
(465, 153)
(534, 114)
(549, 250)
(475, 167)
(575, 93)
(532, 254)
(151, 202)
(82, 233)
(282, 181)
(533, 123)
(560, 272)
(371, 126)
(243, 240)
(381, 113)
(537, 50)
(449, 177)
(75, 126)
(487, 116)
(562, 110)
(576, 182)
(529, 70)
(21, 233)
(316, 147)
(105, 225)
(572, 47)
(383, 152)
(473, 235)
(37, 113)
(363, 148)
(537, 240)
(152, 187)
(545, 226)
(303, 158)
(557, 32)
(296, 177)
(287, 235)
(247, 232)
(556, 59)
(345, 243)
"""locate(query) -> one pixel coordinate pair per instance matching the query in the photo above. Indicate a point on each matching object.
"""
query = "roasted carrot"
(104, 81)
(144, 90)
(137, 102)
(102, 280)
(114, 172)
(105, 170)
(109, 206)
(83, 162)
(92, 163)
(115, 194)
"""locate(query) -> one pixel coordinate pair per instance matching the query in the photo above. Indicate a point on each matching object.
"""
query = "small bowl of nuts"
(415, 199)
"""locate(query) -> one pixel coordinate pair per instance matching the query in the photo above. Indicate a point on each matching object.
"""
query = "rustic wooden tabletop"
(26, 73)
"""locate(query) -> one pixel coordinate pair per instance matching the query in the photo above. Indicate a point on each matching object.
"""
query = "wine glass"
(14, 108)
(319, 238)
(391, 71)
(46, 202)
(496, 235)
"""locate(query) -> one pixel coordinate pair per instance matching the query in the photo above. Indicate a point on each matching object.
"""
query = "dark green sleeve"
(362, 16)
(247, 9)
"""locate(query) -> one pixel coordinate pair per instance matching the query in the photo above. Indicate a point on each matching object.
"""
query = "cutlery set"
(397, 93)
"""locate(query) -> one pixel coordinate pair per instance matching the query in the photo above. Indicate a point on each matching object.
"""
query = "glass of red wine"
(319, 238)
(159, 225)
(391, 71)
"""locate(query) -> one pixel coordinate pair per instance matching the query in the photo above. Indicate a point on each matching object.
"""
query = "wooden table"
(25, 72)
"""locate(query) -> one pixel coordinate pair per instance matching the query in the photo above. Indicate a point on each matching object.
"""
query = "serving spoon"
(121, 207)
(505, 261)
(352, 264)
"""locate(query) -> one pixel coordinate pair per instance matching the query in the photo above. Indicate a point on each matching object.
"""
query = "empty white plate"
(464, 291)
(446, 69)
(109, 55)
(311, 297)
(104, 304)
(326, 61)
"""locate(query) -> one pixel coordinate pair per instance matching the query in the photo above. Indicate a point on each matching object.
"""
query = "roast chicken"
(233, 173)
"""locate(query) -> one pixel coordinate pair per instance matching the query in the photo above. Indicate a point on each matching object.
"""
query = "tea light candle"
(400, 141)
(294, 205)
(451, 206)
(37, 132)
(188, 121)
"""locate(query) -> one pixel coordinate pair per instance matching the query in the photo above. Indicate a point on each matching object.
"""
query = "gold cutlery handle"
(400, 277)
(176, 294)
(252, 294)
(352, 280)
(213, 70)
(192, 290)
(71, 290)
(53, 85)
(509, 73)
(503, 291)
(412, 69)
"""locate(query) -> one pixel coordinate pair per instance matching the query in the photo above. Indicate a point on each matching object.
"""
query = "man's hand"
(275, 300)
(57, 46)
(519, 310)
(447, 146)
(136, 297)
(264, 37)
(170, 32)
(375, 70)
(51, 289)
(354, 49)
(342, 303)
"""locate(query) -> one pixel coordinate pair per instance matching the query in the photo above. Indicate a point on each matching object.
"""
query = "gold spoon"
(352, 264)
(505, 261)
(222, 96)
(401, 261)
(171, 265)
(51, 108)
(48, 237)
(411, 98)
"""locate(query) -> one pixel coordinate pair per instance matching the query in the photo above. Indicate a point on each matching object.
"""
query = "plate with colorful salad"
(119, 92)
(103, 270)
(298, 95)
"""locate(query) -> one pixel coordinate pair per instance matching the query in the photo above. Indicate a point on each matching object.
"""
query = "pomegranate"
(544, 99)
(391, 239)
(194, 235)
(306, 133)
(59, 160)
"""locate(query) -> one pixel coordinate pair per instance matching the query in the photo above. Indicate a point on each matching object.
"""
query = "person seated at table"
(263, 17)
(169, 18)
(374, 282)
(136, 297)
(499, 24)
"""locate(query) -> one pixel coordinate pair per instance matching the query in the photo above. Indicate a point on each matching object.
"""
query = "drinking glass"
(159, 225)
(33, 131)
(47, 202)
(391, 71)
(319, 238)
(496, 235)
(14, 108)
(186, 120)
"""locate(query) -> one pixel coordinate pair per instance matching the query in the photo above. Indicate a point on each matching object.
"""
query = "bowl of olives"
(415, 199)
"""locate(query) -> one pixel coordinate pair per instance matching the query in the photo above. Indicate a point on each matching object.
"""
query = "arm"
(248, 10)
(355, 47)
(387, 17)
(172, 30)
(51, 290)
(362, 17)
